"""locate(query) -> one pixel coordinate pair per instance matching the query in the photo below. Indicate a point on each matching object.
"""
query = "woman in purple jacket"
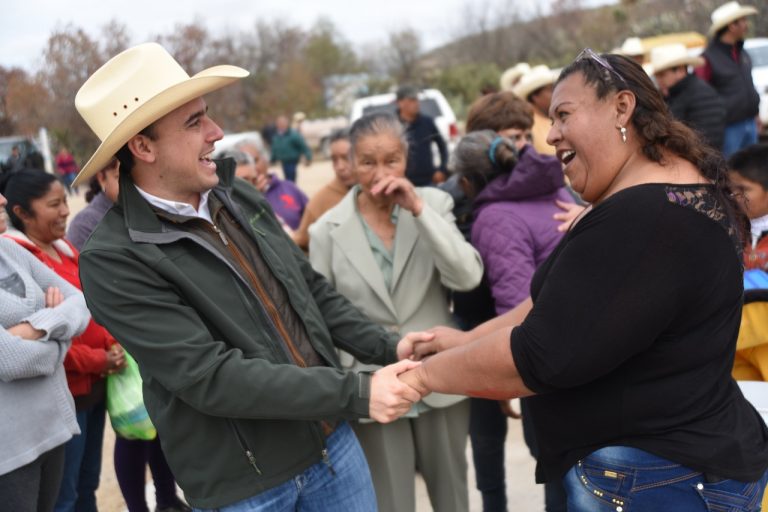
(514, 191)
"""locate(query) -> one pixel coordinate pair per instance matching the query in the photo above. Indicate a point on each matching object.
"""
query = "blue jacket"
(421, 133)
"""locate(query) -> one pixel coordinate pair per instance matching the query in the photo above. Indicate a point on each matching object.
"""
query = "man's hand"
(391, 398)
(439, 177)
(405, 347)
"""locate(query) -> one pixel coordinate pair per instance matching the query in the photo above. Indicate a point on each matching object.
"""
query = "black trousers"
(34, 487)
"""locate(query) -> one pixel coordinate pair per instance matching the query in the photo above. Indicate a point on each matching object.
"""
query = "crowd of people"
(582, 249)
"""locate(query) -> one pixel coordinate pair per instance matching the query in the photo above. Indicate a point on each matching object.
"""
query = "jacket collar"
(348, 235)
(137, 212)
(61, 245)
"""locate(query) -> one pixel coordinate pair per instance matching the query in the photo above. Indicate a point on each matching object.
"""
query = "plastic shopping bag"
(125, 403)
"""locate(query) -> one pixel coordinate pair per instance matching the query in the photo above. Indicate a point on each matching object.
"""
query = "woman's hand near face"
(402, 192)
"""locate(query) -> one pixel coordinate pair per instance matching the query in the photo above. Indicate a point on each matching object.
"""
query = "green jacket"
(234, 414)
(288, 147)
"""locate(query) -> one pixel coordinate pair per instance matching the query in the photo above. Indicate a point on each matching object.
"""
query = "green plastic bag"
(125, 403)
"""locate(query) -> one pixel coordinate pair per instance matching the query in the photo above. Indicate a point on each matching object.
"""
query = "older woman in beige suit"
(394, 250)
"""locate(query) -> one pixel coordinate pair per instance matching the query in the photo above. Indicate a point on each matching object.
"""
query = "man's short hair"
(499, 111)
(407, 92)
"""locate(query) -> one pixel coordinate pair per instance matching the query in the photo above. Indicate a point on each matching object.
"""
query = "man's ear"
(625, 102)
(142, 148)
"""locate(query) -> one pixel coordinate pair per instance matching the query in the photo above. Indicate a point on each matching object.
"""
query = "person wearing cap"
(728, 69)
(536, 88)
(421, 132)
(689, 98)
(288, 146)
(234, 333)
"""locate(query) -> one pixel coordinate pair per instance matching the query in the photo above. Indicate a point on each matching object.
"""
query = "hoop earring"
(623, 134)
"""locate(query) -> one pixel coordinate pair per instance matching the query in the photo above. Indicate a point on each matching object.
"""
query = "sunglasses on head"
(589, 53)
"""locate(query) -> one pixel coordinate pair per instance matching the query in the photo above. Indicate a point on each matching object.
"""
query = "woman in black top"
(629, 338)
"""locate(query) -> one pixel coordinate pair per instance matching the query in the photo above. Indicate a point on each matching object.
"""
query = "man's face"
(281, 123)
(739, 29)
(409, 108)
(668, 78)
(181, 154)
(542, 98)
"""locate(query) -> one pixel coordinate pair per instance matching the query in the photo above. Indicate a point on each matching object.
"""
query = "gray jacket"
(38, 410)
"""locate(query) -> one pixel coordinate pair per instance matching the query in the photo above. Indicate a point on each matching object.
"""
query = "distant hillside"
(556, 38)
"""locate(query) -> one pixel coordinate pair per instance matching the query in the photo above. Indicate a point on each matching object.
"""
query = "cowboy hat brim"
(741, 12)
(167, 101)
(673, 63)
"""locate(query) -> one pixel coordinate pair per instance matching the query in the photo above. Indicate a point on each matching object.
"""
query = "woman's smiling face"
(586, 137)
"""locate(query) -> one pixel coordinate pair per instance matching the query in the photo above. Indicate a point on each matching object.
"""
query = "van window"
(427, 106)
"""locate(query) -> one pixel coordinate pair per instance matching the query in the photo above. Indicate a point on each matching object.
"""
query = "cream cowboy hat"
(134, 89)
(511, 76)
(632, 47)
(536, 78)
(728, 13)
(671, 56)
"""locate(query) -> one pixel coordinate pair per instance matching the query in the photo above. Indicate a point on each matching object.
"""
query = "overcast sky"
(26, 24)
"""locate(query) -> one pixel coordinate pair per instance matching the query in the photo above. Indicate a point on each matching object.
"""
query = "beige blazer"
(431, 256)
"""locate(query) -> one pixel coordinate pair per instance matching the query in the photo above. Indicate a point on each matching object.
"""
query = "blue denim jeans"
(289, 170)
(622, 479)
(739, 135)
(347, 489)
(82, 463)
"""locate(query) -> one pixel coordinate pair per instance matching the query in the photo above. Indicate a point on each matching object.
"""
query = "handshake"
(395, 388)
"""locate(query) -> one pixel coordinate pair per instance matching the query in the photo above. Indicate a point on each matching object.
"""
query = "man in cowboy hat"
(689, 98)
(234, 333)
(536, 88)
(728, 69)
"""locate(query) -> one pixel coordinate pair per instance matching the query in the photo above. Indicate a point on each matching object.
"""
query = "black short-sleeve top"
(632, 335)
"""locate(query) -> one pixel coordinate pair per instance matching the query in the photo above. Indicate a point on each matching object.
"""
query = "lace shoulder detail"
(702, 200)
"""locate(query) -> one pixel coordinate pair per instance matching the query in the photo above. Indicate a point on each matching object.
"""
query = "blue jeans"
(739, 135)
(317, 489)
(622, 479)
(82, 463)
(289, 170)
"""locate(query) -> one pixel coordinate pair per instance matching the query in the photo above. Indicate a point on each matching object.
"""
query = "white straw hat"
(728, 13)
(632, 47)
(511, 76)
(670, 56)
(136, 88)
(536, 78)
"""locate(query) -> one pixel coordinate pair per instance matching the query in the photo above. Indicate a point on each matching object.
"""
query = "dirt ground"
(523, 494)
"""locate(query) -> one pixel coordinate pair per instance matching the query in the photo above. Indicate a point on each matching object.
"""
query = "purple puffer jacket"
(513, 229)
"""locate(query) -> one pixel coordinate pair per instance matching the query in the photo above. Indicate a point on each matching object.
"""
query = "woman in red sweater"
(37, 208)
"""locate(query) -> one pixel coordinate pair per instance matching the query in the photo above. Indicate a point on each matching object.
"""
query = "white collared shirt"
(179, 208)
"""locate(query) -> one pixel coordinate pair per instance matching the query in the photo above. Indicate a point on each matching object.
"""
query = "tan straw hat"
(136, 88)
(728, 13)
(511, 76)
(671, 56)
(536, 78)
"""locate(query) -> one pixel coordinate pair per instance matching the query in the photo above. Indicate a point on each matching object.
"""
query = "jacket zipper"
(268, 304)
(291, 348)
(248, 453)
